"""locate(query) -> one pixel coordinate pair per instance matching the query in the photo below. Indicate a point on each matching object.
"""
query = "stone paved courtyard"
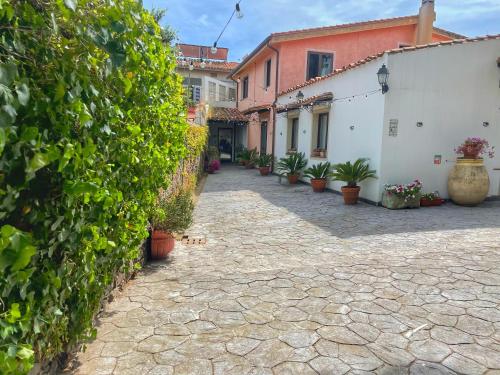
(292, 282)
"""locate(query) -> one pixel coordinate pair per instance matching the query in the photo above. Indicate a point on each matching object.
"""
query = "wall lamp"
(300, 95)
(383, 76)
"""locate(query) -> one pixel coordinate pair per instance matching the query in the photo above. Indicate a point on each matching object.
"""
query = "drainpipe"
(275, 99)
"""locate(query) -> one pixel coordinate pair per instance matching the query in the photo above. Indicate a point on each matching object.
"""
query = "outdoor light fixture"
(300, 95)
(239, 14)
(214, 48)
(383, 75)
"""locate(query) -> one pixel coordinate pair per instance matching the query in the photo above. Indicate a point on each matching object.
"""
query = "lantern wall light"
(300, 95)
(383, 76)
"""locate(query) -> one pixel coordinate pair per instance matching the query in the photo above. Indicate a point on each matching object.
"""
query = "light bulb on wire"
(214, 49)
(191, 66)
(203, 64)
(239, 13)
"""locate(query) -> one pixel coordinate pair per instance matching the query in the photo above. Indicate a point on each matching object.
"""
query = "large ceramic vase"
(162, 244)
(468, 182)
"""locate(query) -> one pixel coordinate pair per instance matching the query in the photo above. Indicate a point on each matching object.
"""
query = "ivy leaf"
(71, 4)
(38, 161)
(3, 138)
(23, 94)
(79, 188)
(10, 111)
(8, 73)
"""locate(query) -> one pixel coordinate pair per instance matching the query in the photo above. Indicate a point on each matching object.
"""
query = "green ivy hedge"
(91, 126)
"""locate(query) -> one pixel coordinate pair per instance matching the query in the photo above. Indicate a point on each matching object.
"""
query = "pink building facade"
(286, 59)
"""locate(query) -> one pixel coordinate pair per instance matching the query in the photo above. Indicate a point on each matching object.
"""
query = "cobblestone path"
(291, 282)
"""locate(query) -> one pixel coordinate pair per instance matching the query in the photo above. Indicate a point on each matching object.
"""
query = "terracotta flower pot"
(424, 202)
(293, 179)
(264, 171)
(351, 194)
(162, 244)
(318, 184)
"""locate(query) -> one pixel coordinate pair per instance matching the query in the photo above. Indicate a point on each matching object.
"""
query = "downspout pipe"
(268, 45)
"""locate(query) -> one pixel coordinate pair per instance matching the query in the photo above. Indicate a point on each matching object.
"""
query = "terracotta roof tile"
(347, 25)
(392, 51)
(324, 97)
(259, 108)
(226, 114)
(379, 22)
(219, 66)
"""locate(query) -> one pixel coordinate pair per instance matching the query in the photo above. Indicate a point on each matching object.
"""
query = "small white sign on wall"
(393, 128)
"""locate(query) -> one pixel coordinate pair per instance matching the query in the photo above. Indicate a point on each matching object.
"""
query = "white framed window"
(319, 135)
(212, 87)
(222, 93)
(231, 94)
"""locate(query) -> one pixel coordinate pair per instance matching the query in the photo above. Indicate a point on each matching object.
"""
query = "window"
(267, 74)
(222, 93)
(294, 134)
(188, 81)
(211, 91)
(322, 132)
(244, 88)
(319, 64)
(231, 94)
(403, 45)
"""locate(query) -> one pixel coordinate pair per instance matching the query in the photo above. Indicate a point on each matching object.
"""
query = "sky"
(201, 21)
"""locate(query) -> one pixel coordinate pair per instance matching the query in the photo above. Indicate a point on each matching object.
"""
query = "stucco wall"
(452, 90)
(365, 113)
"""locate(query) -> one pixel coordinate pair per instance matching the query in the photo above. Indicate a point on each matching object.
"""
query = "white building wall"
(364, 113)
(452, 90)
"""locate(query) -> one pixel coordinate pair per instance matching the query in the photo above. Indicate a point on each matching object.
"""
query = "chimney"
(426, 18)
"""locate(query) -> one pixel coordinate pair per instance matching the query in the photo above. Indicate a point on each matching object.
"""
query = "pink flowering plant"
(406, 192)
(475, 147)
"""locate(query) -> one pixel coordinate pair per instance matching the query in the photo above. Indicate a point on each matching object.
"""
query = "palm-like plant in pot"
(352, 174)
(249, 158)
(172, 214)
(319, 175)
(264, 162)
(292, 165)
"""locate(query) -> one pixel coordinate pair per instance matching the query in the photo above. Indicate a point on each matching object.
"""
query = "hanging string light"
(239, 14)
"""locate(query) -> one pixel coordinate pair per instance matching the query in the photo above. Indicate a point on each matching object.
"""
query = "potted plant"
(402, 196)
(249, 158)
(291, 166)
(242, 155)
(213, 166)
(170, 215)
(352, 174)
(468, 181)
(319, 175)
(431, 199)
(474, 147)
(264, 163)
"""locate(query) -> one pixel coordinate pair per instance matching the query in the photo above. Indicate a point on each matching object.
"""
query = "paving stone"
(329, 366)
(358, 357)
(290, 368)
(241, 345)
(299, 339)
(475, 326)
(450, 335)
(160, 343)
(341, 335)
(429, 350)
(270, 353)
(463, 365)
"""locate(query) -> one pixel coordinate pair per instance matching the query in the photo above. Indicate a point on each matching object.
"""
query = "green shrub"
(265, 160)
(92, 125)
(173, 214)
(353, 173)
